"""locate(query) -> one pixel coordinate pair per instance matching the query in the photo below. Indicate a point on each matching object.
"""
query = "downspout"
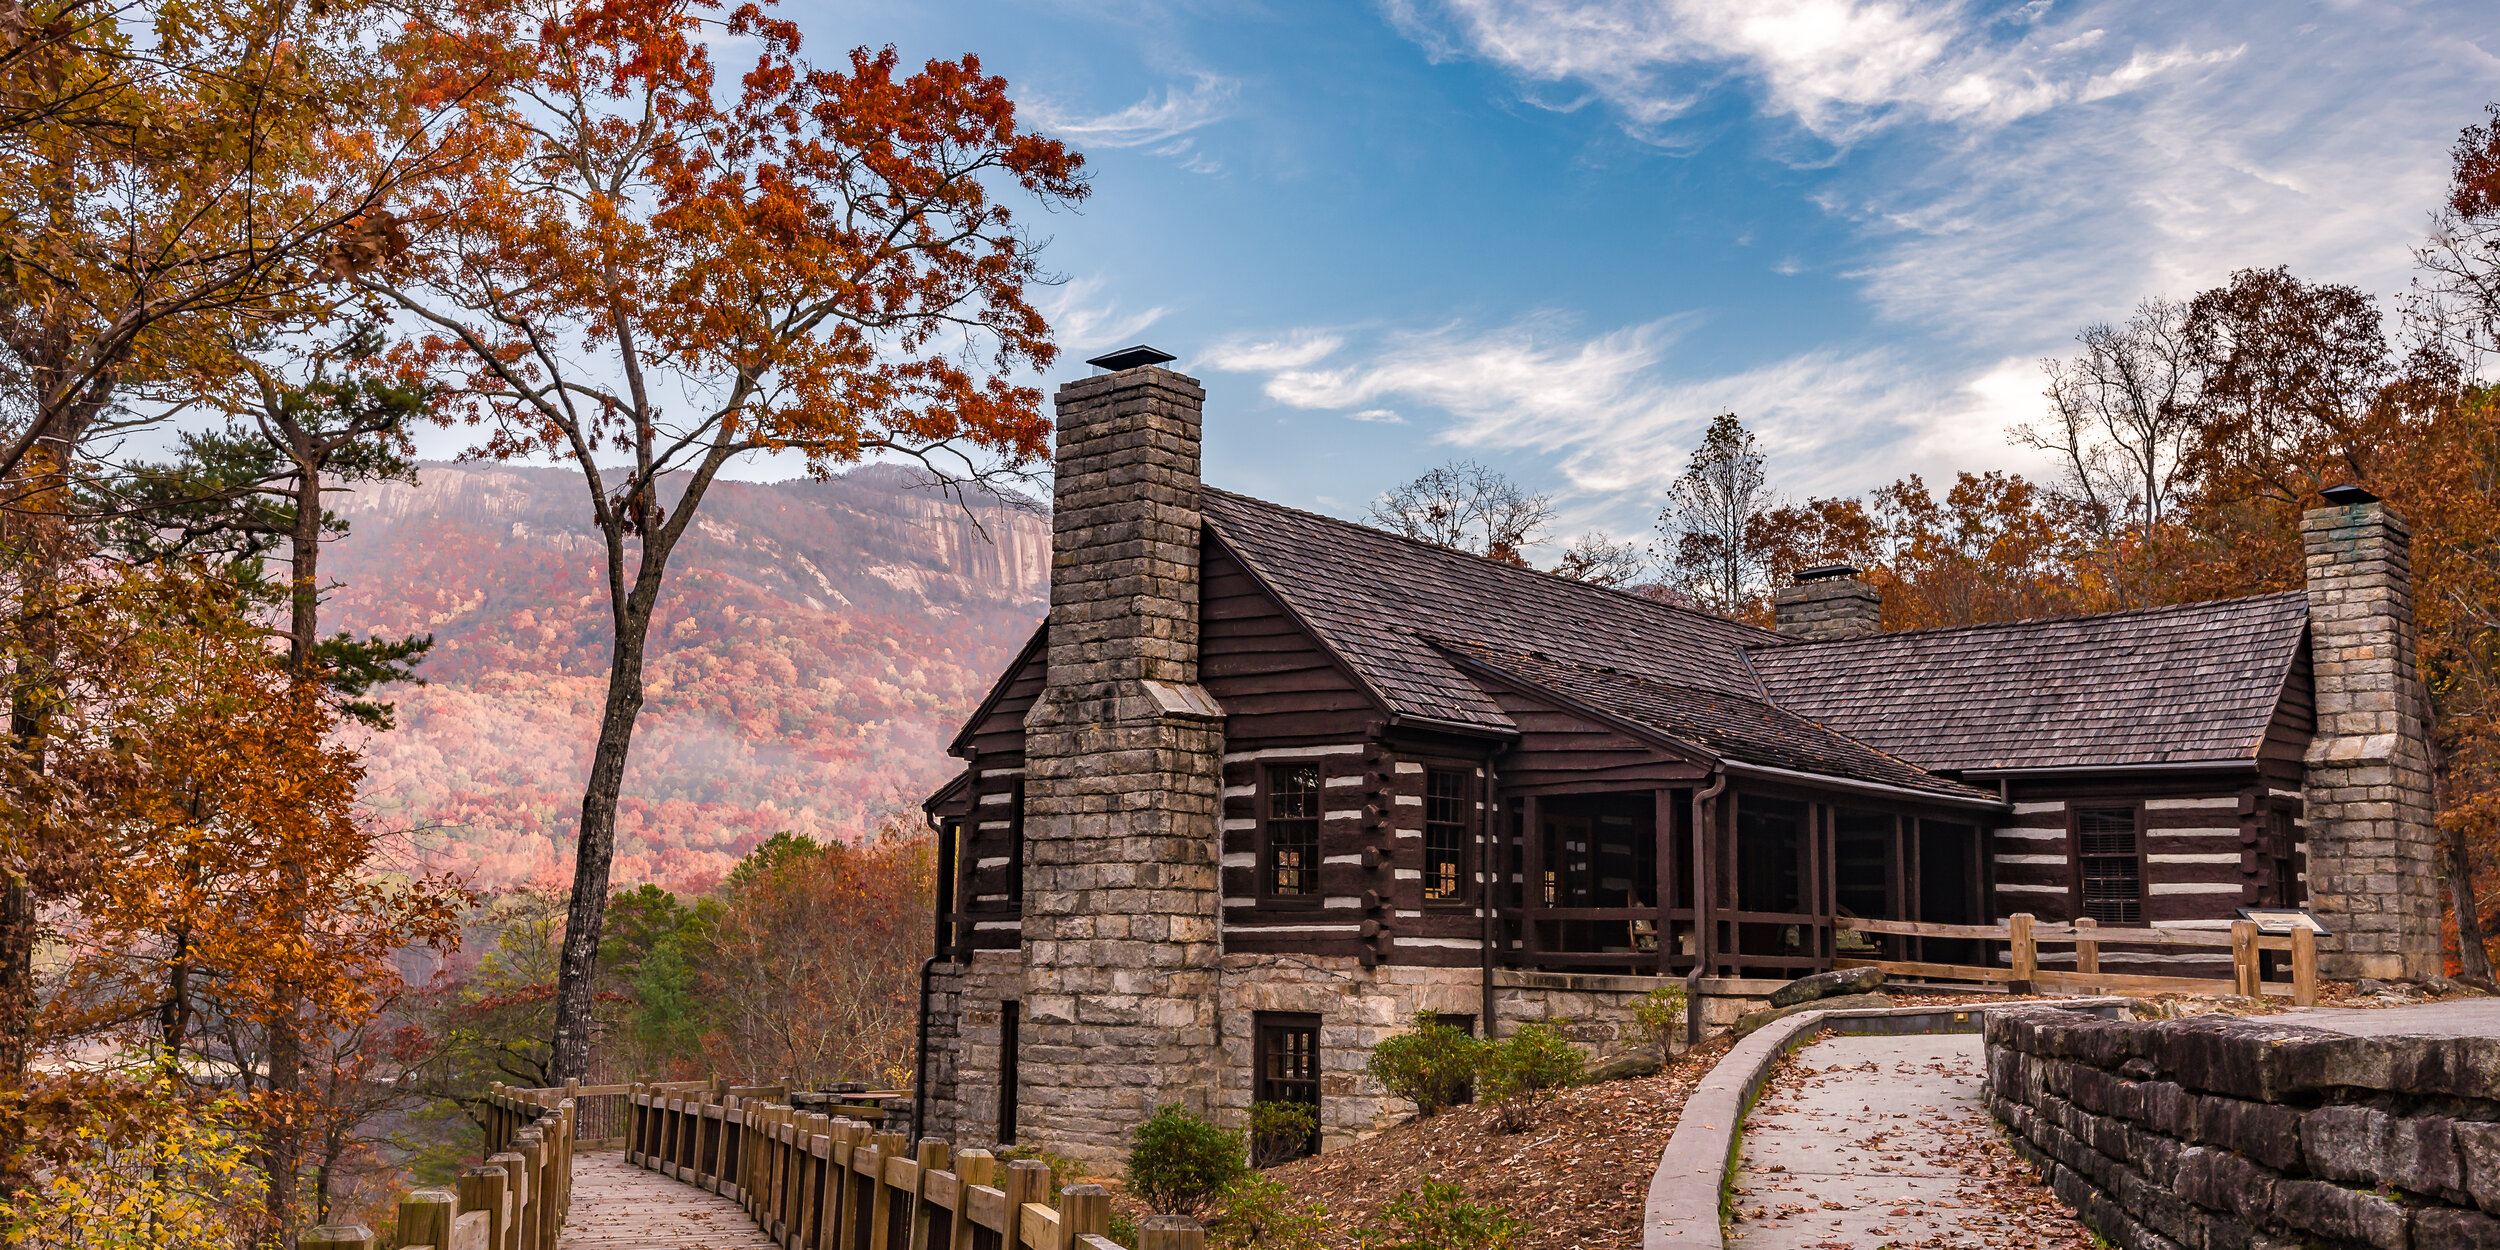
(928, 969)
(1705, 832)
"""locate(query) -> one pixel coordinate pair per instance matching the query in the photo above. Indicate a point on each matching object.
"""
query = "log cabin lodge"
(1267, 783)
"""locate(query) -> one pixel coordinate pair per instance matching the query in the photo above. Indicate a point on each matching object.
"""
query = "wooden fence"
(516, 1200)
(2024, 936)
(821, 1182)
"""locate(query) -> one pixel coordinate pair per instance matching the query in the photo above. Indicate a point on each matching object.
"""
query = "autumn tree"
(2456, 295)
(1600, 560)
(1713, 542)
(814, 261)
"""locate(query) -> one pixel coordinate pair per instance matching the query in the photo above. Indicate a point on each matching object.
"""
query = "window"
(1292, 826)
(1289, 1063)
(1464, 1022)
(2105, 852)
(1009, 1016)
(1449, 817)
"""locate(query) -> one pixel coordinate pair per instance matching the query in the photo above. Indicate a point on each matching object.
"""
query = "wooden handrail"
(814, 1181)
(2023, 937)
(516, 1200)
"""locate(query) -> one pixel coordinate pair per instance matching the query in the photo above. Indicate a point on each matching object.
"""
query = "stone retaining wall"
(2221, 1132)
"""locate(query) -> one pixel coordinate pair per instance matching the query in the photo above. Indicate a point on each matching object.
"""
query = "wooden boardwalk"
(617, 1206)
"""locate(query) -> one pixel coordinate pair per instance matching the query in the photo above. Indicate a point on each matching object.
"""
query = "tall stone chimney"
(1828, 602)
(2373, 858)
(1123, 764)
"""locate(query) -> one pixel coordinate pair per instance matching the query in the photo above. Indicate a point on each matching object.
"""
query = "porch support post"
(1531, 869)
(1662, 833)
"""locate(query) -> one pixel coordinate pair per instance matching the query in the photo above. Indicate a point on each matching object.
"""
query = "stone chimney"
(1828, 602)
(2373, 859)
(1123, 764)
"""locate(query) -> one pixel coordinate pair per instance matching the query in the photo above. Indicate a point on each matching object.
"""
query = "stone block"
(2478, 1159)
(2446, 1228)
(2324, 1209)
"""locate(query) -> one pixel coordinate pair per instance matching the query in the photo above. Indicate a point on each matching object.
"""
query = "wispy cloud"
(1376, 416)
(1617, 411)
(1089, 321)
(1160, 118)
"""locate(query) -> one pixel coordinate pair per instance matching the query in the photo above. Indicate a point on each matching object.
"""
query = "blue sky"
(1557, 235)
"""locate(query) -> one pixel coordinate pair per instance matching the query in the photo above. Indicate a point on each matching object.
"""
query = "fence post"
(1027, 1180)
(1170, 1232)
(337, 1237)
(482, 1189)
(2087, 950)
(425, 1218)
(2244, 959)
(516, 1194)
(2304, 967)
(2025, 953)
(531, 1145)
(1083, 1209)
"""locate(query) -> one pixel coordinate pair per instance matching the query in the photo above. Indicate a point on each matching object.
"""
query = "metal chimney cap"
(2348, 494)
(1826, 572)
(1131, 358)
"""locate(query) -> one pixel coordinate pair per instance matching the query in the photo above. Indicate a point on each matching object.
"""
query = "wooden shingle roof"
(1714, 726)
(1378, 601)
(2197, 683)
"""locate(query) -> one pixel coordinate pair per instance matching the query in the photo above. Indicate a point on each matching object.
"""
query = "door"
(1948, 888)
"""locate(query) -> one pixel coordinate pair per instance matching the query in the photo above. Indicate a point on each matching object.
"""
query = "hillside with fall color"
(819, 643)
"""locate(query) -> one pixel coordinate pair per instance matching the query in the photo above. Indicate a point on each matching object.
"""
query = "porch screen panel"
(1293, 829)
(2113, 881)
(1449, 808)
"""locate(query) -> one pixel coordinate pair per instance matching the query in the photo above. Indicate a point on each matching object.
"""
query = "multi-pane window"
(2113, 879)
(1288, 1068)
(1293, 829)
(1449, 810)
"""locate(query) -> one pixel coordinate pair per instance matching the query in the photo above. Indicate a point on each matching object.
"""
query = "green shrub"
(1179, 1164)
(1661, 1016)
(1516, 1072)
(1431, 1065)
(1258, 1214)
(1064, 1171)
(1281, 1132)
(1439, 1217)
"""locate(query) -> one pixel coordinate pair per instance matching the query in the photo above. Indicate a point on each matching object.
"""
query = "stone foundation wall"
(2220, 1132)
(963, 1044)
(1358, 1007)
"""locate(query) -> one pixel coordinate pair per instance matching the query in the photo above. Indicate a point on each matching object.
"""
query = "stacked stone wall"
(964, 1059)
(2373, 856)
(2220, 1132)
(1836, 607)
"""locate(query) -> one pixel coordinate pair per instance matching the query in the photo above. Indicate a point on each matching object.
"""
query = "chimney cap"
(2348, 494)
(1826, 572)
(1131, 358)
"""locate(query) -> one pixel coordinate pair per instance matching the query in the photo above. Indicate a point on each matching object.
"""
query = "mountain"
(818, 644)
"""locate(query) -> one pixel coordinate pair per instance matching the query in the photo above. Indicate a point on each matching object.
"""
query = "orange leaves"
(366, 242)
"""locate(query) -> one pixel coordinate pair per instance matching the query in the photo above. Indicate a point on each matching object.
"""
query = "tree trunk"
(2473, 952)
(596, 845)
(281, 1143)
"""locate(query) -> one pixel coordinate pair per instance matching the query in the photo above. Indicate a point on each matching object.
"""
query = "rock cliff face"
(819, 645)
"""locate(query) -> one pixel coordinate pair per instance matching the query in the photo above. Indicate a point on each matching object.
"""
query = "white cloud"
(1090, 322)
(1617, 412)
(1376, 416)
(1264, 355)
(1161, 117)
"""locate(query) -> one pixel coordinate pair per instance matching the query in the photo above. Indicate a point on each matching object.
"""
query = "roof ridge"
(1768, 637)
(2042, 621)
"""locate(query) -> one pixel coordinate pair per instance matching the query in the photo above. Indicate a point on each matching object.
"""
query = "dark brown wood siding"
(1277, 686)
(2198, 839)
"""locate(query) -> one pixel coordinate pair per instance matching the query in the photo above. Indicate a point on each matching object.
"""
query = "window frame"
(1263, 1024)
(1471, 833)
(2143, 883)
(1264, 800)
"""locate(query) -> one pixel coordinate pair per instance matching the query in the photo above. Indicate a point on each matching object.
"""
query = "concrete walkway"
(1867, 1142)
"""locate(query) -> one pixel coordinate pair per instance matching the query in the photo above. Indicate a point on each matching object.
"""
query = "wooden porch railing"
(2023, 937)
(516, 1200)
(819, 1182)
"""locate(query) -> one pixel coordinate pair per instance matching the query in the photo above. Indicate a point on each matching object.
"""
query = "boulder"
(1846, 1002)
(1826, 984)
(1625, 1067)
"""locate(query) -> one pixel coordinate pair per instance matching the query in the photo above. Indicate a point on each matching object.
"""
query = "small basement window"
(1289, 1064)
(1449, 801)
(1291, 849)
(2112, 873)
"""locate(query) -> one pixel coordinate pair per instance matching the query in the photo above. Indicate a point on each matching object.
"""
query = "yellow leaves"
(183, 1181)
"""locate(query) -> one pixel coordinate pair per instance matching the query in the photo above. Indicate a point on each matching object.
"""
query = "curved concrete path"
(1868, 1142)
